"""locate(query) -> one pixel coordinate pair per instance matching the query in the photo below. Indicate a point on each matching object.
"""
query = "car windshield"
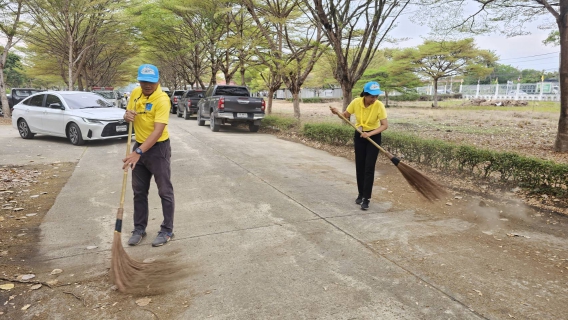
(86, 100)
(107, 94)
(194, 93)
(232, 91)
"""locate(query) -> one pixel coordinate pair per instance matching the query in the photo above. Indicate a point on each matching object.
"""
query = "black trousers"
(154, 162)
(365, 159)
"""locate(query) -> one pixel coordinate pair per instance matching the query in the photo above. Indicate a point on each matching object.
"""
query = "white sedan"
(76, 115)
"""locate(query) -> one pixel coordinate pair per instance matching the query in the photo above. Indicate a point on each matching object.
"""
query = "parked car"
(230, 104)
(174, 100)
(76, 115)
(18, 94)
(111, 97)
(187, 105)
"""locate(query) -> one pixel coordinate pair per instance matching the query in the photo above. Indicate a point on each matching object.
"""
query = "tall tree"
(392, 74)
(355, 30)
(68, 29)
(508, 17)
(440, 59)
(295, 43)
(11, 29)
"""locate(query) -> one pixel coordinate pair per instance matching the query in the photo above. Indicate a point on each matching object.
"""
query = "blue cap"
(372, 88)
(148, 73)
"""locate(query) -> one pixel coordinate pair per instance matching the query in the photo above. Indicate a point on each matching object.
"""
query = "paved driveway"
(269, 230)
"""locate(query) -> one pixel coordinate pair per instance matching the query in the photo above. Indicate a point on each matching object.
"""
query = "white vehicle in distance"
(75, 115)
(110, 96)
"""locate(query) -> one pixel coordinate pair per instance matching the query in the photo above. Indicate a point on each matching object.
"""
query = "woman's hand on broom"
(334, 110)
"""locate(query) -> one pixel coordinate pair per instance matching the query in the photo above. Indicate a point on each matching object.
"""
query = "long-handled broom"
(126, 273)
(421, 183)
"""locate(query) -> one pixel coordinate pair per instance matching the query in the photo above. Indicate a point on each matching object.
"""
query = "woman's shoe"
(365, 204)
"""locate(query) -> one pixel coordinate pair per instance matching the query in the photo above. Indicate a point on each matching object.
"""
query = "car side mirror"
(200, 95)
(56, 106)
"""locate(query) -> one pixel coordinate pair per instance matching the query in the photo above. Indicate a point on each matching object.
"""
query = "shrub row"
(280, 123)
(505, 168)
(410, 96)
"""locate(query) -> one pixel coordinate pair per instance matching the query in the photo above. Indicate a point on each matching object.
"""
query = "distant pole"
(541, 87)
(477, 91)
(496, 88)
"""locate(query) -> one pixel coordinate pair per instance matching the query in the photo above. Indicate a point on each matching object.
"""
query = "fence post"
(477, 91)
(518, 90)
(496, 90)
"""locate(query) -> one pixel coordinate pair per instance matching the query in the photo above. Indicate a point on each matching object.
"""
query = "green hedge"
(280, 123)
(505, 168)
(309, 100)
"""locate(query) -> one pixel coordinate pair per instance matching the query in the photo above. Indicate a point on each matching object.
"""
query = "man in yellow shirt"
(149, 109)
(371, 118)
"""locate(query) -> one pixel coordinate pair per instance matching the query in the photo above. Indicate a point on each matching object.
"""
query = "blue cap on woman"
(373, 88)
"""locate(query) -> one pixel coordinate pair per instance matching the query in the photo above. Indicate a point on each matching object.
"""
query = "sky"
(521, 52)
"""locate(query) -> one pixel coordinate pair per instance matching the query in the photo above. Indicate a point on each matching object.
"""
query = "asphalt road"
(269, 230)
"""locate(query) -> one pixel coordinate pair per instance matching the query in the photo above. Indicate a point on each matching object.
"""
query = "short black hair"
(364, 94)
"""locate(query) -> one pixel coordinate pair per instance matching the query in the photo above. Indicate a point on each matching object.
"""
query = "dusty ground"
(34, 188)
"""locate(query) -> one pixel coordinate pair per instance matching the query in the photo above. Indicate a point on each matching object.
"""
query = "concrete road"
(269, 230)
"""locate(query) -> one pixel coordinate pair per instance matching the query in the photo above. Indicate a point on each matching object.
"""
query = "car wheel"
(214, 126)
(74, 134)
(200, 122)
(185, 114)
(253, 127)
(24, 129)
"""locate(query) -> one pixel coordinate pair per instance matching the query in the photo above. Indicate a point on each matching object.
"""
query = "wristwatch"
(139, 151)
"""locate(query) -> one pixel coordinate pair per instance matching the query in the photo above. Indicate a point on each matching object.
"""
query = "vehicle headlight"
(92, 120)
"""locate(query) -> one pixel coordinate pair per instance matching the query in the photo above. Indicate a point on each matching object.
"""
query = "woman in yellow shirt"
(371, 119)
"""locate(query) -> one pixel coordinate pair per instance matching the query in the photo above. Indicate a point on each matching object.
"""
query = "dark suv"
(174, 99)
(188, 103)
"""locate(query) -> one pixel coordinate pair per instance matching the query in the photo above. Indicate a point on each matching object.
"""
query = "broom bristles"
(421, 183)
(133, 276)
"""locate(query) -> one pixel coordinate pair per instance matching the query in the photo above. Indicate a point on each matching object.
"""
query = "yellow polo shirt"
(155, 108)
(369, 118)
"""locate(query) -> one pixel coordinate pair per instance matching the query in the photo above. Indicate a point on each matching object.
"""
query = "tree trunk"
(386, 99)
(561, 143)
(269, 104)
(347, 89)
(296, 102)
(435, 103)
(3, 97)
(70, 63)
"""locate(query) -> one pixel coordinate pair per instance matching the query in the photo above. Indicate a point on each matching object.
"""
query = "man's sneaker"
(365, 204)
(359, 199)
(136, 238)
(162, 238)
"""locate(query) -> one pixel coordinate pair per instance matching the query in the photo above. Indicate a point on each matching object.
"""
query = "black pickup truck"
(188, 103)
(230, 104)
(18, 94)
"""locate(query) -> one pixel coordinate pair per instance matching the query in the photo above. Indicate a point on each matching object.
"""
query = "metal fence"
(544, 91)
